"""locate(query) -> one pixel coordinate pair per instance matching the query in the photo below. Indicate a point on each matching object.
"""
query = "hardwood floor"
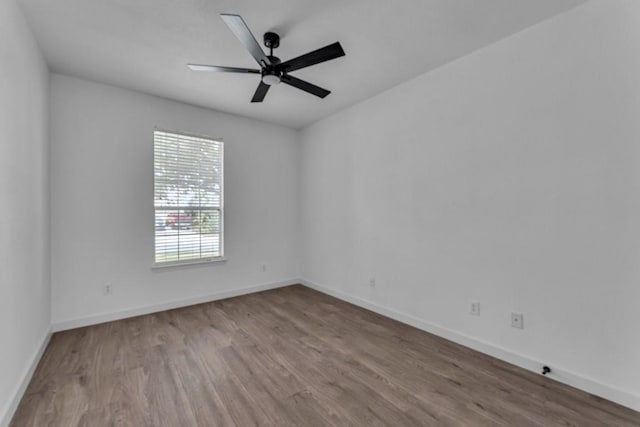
(288, 357)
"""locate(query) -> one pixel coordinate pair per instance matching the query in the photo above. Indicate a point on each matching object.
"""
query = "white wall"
(102, 202)
(24, 224)
(511, 177)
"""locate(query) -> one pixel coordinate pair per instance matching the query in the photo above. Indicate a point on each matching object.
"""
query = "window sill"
(174, 264)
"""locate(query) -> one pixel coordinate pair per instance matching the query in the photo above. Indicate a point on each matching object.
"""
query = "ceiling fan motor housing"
(271, 75)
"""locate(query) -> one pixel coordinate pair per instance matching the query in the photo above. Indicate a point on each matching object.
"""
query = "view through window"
(188, 198)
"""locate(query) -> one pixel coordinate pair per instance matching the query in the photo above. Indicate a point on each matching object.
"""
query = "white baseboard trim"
(622, 397)
(10, 408)
(154, 308)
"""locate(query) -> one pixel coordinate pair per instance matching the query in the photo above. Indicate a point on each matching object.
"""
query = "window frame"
(202, 260)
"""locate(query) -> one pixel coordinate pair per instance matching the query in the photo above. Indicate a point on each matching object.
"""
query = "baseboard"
(614, 394)
(10, 408)
(139, 311)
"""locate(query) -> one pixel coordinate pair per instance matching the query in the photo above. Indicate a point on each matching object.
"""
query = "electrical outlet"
(108, 289)
(372, 282)
(517, 320)
(475, 308)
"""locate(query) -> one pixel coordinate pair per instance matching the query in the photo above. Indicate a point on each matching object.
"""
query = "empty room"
(320, 213)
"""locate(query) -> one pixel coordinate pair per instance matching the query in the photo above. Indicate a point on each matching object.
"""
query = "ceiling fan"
(272, 70)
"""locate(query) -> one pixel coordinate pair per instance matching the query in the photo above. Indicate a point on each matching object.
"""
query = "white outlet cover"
(517, 320)
(475, 308)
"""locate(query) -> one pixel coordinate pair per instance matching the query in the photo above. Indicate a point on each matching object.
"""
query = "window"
(188, 198)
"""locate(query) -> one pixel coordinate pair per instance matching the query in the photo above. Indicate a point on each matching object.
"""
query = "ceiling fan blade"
(261, 92)
(317, 56)
(215, 68)
(237, 25)
(305, 86)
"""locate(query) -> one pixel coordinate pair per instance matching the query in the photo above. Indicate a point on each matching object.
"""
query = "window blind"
(188, 198)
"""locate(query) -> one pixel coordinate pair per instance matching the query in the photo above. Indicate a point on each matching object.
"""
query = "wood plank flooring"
(288, 357)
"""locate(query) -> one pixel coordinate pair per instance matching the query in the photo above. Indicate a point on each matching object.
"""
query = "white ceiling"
(145, 44)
